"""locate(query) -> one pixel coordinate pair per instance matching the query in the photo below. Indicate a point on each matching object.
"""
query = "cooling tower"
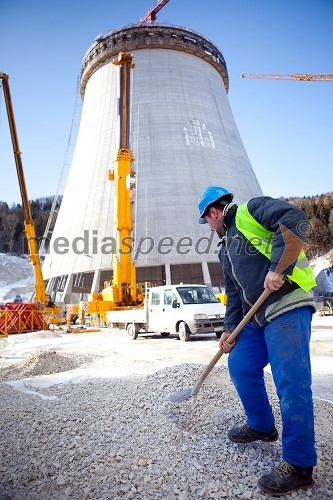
(183, 137)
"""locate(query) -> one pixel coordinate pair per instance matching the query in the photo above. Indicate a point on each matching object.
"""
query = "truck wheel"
(184, 332)
(218, 334)
(165, 334)
(132, 331)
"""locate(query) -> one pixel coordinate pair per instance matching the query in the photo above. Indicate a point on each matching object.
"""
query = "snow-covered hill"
(16, 278)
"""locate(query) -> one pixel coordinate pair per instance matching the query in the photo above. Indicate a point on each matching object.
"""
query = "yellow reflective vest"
(262, 239)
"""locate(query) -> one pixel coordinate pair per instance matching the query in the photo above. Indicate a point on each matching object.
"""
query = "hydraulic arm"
(123, 290)
(39, 291)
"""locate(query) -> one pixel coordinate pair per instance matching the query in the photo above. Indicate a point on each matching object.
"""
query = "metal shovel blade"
(179, 396)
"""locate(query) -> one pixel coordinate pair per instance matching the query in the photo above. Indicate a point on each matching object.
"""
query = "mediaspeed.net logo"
(91, 243)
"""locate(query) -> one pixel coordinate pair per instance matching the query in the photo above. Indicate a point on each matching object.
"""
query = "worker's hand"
(223, 344)
(273, 281)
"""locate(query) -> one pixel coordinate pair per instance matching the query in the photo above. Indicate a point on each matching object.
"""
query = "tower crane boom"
(303, 77)
(152, 13)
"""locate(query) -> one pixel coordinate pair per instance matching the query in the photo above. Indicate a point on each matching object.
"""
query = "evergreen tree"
(12, 235)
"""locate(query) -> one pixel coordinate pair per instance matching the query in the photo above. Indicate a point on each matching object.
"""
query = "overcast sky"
(286, 126)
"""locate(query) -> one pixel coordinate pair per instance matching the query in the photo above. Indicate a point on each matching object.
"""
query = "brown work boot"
(245, 434)
(285, 478)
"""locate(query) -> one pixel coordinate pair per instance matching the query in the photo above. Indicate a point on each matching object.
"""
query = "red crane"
(298, 77)
(152, 13)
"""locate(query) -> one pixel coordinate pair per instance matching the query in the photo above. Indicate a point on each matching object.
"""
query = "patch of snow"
(19, 385)
(16, 278)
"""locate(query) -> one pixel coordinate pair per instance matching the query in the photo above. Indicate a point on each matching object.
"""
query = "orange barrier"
(17, 317)
(71, 309)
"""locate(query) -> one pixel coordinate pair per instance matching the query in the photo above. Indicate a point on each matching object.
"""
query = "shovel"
(179, 396)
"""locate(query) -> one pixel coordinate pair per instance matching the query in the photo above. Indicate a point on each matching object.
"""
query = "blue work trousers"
(285, 344)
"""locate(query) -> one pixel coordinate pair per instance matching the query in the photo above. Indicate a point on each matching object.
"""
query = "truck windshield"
(196, 295)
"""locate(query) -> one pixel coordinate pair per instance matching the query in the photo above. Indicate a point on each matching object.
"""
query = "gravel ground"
(112, 437)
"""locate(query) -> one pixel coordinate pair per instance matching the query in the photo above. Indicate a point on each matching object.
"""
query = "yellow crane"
(123, 289)
(39, 288)
(45, 307)
(303, 77)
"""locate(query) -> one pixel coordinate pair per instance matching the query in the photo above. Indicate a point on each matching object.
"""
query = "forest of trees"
(319, 210)
(12, 236)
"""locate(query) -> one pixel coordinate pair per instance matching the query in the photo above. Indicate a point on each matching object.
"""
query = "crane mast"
(39, 287)
(296, 76)
(123, 290)
(152, 13)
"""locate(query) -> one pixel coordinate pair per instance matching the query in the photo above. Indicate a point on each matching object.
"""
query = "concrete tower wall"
(183, 137)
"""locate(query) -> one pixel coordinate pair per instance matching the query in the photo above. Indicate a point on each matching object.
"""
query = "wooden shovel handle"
(231, 338)
(249, 315)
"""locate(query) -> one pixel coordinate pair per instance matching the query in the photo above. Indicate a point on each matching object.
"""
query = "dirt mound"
(43, 334)
(44, 363)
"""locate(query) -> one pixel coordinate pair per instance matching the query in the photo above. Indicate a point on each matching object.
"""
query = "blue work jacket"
(245, 268)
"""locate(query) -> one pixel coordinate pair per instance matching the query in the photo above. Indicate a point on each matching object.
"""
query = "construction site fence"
(22, 318)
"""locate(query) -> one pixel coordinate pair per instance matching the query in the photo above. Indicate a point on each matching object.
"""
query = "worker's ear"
(213, 212)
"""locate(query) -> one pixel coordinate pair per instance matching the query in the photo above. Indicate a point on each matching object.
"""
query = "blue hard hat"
(209, 196)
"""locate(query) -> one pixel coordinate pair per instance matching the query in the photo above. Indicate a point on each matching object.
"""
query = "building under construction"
(183, 137)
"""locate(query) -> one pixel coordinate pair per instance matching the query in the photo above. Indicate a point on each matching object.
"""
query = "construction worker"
(262, 246)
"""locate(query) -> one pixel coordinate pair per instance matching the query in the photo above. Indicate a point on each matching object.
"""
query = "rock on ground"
(115, 438)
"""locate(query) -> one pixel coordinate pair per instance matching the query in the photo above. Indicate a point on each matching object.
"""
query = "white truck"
(183, 309)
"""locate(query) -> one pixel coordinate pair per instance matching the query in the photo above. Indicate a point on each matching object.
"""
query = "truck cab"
(186, 310)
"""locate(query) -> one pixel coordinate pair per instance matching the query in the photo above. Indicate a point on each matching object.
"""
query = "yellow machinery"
(122, 292)
(45, 307)
(123, 289)
(222, 297)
